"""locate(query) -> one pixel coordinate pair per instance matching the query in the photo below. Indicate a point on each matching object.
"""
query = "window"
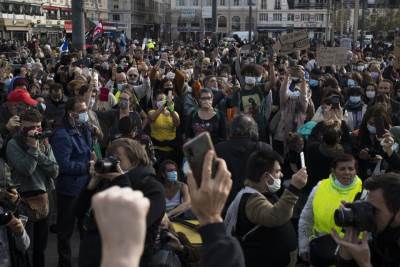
(222, 2)
(222, 22)
(207, 3)
(319, 17)
(116, 17)
(247, 26)
(180, 2)
(116, 6)
(277, 4)
(264, 4)
(263, 17)
(236, 23)
(290, 17)
(277, 17)
(305, 17)
(195, 2)
(236, 3)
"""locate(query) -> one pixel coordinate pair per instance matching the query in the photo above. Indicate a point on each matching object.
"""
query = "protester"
(34, 167)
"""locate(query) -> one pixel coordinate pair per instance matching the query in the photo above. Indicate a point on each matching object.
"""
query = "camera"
(43, 135)
(359, 214)
(106, 165)
(5, 217)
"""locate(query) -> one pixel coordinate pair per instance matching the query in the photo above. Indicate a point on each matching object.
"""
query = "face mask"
(206, 104)
(351, 83)
(124, 104)
(371, 129)
(160, 104)
(294, 94)
(314, 83)
(157, 57)
(189, 72)
(340, 185)
(172, 176)
(360, 68)
(275, 186)
(250, 80)
(172, 62)
(355, 99)
(105, 66)
(370, 94)
(258, 79)
(225, 79)
(374, 75)
(120, 86)
(83, 117)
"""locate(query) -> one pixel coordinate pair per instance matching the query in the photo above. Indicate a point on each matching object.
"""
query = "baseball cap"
(21, 95)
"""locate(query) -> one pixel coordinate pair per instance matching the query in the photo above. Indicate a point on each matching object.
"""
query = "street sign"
(293, 41)
(328, 56)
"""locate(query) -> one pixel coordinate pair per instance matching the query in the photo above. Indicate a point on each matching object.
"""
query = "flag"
(98, 30)
(64, 47)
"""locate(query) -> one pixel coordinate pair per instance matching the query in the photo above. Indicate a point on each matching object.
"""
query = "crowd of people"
(81, 130)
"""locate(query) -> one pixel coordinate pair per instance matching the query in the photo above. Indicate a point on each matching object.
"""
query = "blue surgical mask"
(172, 176)
(371, 129)
(351, 83)
(355, 99)
(83, 117)
(340, 185)
(314, 83)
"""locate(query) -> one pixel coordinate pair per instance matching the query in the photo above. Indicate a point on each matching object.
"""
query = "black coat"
(140, 178)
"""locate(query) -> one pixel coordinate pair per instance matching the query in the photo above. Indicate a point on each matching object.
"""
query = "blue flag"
(64, 46)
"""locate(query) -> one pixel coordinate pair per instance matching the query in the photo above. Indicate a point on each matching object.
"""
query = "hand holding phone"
(195, 151)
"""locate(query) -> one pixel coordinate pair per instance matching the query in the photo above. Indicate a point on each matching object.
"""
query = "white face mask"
(275, 186)
(355, 99)
(294, 94)
(370, 94)
(250, 80)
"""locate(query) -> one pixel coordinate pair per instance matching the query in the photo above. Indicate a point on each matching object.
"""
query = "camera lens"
(344, 217)
(5, 217)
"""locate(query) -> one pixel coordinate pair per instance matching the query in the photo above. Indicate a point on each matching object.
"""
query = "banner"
(291, 42)
(328, 56)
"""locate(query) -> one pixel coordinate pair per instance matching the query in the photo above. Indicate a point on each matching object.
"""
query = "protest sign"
(346, 42)
(293, 41)
(245, 50)
(328, 56)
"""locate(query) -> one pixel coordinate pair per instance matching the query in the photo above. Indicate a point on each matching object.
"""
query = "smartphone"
(162, 64)
(195, 151)
(302, 160)
(380, 127)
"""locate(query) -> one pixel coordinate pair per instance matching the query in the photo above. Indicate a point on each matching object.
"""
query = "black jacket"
(140, 178)
(236, 152)
(218, 248)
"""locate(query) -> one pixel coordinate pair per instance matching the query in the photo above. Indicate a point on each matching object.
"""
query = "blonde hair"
(134, 150)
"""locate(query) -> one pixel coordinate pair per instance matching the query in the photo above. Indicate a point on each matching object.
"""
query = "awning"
(66, 9)
(50, 7)
(68, 26)
(17, 29)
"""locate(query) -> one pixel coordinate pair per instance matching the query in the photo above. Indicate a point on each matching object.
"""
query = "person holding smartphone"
(370, 152)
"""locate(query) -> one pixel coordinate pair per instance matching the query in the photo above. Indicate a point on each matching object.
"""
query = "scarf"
(233, 210)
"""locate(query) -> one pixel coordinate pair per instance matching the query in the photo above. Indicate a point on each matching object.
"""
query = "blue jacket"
(72, 150)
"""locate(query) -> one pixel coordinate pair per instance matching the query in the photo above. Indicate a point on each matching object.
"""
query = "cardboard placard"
(291, 42)
(328, 56)
(245, 50)
(346, 42)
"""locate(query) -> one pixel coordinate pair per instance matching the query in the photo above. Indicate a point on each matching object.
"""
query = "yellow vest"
(327, 199)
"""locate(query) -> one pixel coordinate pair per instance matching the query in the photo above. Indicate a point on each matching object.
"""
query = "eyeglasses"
(206, 98)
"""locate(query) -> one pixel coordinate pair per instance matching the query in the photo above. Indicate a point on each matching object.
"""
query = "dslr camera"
(43, 135)
(106, 165)
(359, 214)
(5, 217)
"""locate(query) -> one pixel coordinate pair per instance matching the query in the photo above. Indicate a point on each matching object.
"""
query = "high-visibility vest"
(327, 199)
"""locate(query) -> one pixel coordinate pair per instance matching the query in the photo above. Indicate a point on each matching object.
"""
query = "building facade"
(193, 18)
(48, 20)
(140, 18)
